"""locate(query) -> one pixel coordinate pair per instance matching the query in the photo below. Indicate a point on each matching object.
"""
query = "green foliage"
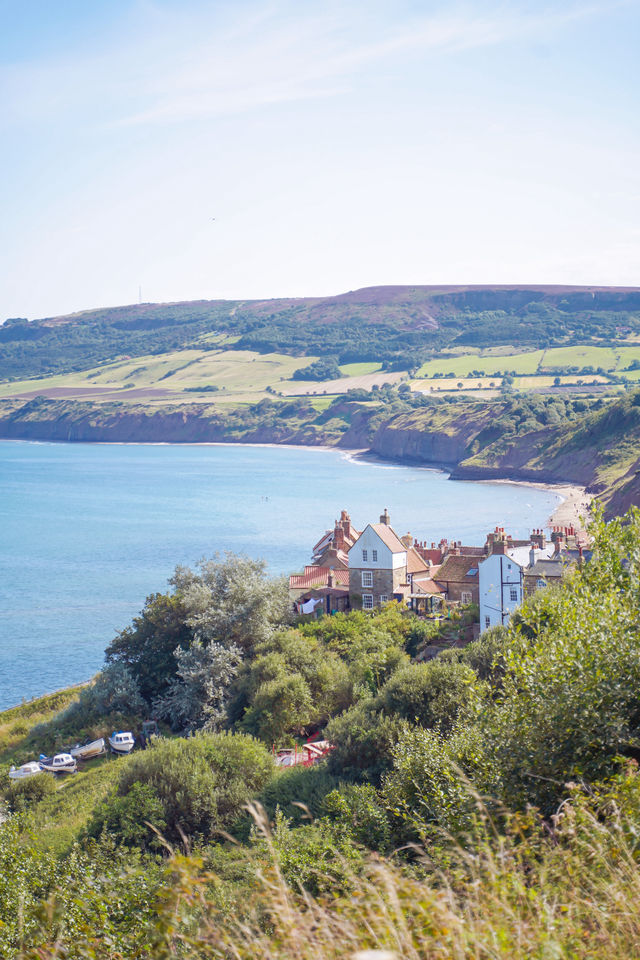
(198, 694)
(193, 787)
(313, 857)
(436, 693)
(232, 601)
(356, 811)
(299, 792)
(147, 648)
(127, 817)
(26, 875)
(484, 655)
(324, 369)
(114, 692)
(363, 737)
(22, 794)
(429, 793)
(293, 685)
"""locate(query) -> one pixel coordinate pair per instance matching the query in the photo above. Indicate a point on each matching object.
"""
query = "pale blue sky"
(337, 145)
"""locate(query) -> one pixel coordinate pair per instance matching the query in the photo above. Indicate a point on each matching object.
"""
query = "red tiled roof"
(457, 570)
(314, 576)
(389, 538)
(415, 563)
(426, 586)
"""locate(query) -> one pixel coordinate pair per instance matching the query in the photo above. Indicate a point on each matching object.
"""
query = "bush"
(357, 812)
(193, 787)
(363, 738)
(25, 793)
(432, 694)
(115, 691)
(298, 785)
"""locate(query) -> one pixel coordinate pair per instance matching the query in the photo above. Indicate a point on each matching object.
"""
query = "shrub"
(431, 694)
(193, 787)
(357, 812)
(115, 691)
(363, 738)
(25, 793)
(298, 785)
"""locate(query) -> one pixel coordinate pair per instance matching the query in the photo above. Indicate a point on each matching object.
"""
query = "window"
(487, 622)
(367, 578)
(367, 601)
(374, 555)
(364, 555)
(465, 597)
(513, 594)
(384, 598)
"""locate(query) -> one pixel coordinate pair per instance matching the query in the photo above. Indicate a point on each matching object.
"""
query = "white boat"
(61, 763)
(122, 742)
(26, 770)
(87, 751)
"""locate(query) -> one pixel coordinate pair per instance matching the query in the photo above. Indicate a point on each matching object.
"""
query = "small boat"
(87, 751)
(26, 770)
(122, 742)
(61, 763)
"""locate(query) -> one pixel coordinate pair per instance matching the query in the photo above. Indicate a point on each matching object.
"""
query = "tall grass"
(569, 889)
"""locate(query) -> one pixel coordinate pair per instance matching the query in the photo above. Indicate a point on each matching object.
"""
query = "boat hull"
(59, 767)
(89, 750)
(23, 773)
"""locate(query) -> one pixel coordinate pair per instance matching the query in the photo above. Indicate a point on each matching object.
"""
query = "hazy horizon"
(257, 150)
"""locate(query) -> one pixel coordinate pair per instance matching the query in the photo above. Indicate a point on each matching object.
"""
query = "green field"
(359, 369)
(462, 366)
(232, 371)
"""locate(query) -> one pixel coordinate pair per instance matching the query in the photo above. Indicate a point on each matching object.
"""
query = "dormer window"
(365, 556)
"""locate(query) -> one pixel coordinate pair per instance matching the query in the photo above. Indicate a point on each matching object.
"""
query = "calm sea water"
(87, 531)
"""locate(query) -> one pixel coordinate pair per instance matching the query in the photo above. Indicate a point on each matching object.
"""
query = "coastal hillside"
(400, 326)
(312, 788)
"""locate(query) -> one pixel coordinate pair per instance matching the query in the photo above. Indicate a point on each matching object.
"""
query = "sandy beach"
(574, 509)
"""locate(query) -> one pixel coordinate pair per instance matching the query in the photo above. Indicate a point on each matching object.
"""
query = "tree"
(147, 647)
(232, 601)
(198, 694)
(432, 694)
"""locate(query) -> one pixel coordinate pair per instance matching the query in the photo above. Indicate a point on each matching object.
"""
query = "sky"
(179, 149)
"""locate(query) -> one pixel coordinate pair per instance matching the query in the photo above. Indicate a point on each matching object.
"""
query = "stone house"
(458, 577)
(381, 565)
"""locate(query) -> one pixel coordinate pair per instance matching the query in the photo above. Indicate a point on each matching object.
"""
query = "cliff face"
(599, 451)
(81, 422)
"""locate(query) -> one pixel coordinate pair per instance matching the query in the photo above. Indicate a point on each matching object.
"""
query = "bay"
(87, 531)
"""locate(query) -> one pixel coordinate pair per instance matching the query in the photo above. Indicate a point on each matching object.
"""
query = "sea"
(88, 531)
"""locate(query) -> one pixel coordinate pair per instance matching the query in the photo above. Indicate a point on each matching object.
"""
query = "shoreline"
(571, 510)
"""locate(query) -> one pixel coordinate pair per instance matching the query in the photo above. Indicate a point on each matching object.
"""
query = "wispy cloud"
(190, 62)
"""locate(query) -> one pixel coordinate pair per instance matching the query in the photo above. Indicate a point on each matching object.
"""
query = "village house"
(382, 565)
(324, 585)
(502, 571)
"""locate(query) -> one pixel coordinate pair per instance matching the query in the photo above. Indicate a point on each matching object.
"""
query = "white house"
(501, 577)
(377, 565)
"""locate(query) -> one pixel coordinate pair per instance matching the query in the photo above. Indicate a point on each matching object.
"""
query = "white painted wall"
(370, 541)
(498, 575)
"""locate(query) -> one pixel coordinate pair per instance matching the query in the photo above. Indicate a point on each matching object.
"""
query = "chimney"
(385, 518)
(331, 579)
(538, 539)
(499, 546)
(532, 556)
(407, 540)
